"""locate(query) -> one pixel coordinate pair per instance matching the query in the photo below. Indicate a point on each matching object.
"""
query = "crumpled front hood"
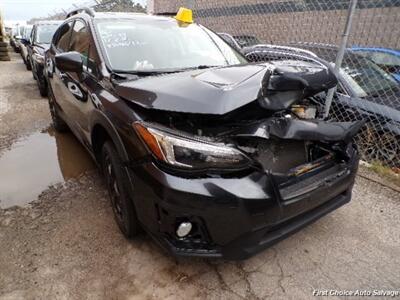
(221, 90)
(297, 129)
(213, 91)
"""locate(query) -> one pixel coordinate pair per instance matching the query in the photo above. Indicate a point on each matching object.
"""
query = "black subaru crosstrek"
(41, 36)
(211, 155)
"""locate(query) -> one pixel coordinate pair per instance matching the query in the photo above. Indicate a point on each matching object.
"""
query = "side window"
(228, 39)
(80, 39)
(364, 53)
(63, 37)
(81, 42)
(32, 37)
(385, 59)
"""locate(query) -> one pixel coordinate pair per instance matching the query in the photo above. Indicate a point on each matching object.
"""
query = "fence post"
(190, 4)
(340, 54)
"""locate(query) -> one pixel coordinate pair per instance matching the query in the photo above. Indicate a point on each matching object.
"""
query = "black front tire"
(28, 64)
(42, 85)
(119, 191)
(58, 123)
(33, 71)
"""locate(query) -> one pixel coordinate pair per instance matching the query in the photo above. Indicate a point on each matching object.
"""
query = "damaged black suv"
(209, 154)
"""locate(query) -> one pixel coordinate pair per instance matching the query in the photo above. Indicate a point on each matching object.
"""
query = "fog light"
(184, 229)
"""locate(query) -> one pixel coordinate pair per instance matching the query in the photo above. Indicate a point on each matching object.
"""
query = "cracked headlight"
(189, 152)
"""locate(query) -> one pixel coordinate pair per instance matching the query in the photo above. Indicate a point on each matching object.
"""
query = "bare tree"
(101, 6)
(119, 6)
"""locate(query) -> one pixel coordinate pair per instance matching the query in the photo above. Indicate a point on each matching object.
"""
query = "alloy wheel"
(113, 189)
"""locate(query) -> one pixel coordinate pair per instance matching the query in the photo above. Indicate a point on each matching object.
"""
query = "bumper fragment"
(234, 218)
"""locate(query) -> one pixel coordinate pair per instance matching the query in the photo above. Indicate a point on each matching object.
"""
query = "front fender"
(99, 118)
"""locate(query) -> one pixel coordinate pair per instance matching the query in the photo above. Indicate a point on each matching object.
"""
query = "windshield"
(45, 33)
(157, 45)
(366, 78)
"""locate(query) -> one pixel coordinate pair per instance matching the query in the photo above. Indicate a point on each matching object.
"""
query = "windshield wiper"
(122, 73)
(201, 67)
(144, 73)
(207, 66)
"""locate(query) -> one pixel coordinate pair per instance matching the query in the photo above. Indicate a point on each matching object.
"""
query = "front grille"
(306, 185)
(277, 156)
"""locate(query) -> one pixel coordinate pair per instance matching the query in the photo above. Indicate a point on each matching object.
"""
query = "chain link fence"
(369, 73)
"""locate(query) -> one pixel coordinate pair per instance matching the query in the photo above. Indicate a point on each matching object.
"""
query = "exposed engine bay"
(278, 129)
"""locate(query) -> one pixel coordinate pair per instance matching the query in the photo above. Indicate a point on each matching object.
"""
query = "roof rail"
(285, 48)
(79, 10)
(332, 46)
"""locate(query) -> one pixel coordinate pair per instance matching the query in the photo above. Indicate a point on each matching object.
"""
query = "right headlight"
(182, 151)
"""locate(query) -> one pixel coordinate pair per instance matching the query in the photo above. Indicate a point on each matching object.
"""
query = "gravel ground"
(65, 244)
(22, 110)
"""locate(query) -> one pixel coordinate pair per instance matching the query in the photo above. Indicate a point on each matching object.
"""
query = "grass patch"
(391, 174)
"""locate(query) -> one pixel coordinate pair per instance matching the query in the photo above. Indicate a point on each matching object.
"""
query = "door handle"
(75, 90)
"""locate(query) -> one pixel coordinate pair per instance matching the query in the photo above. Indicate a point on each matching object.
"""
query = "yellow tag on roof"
(184, 15)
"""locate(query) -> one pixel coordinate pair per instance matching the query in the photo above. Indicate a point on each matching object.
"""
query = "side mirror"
(25, 41)
(69, 62)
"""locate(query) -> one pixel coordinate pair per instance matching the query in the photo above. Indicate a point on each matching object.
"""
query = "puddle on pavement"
(37, 162)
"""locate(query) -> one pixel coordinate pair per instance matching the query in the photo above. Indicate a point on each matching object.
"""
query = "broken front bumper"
(235, 218)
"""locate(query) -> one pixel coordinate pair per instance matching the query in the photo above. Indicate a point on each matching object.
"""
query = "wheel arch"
(102, 130)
